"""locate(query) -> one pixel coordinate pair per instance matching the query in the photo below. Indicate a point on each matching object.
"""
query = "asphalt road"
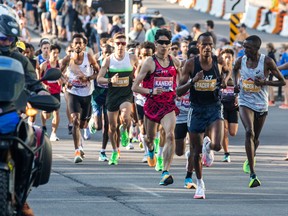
(132, 188)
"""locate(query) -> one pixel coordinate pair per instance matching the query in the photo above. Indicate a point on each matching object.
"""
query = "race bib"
(185, 102)
(205, 85)
(122, 82)
(228, 91)
(249, 86)
(164, 82)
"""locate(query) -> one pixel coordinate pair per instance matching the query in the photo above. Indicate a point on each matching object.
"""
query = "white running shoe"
(130, 146)
(200, 191)
(144, 160)
(53, 137)
(207, 153)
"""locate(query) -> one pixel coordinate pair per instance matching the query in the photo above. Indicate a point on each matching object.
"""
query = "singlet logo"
(164, 82)
(249, 86)
(122, 82)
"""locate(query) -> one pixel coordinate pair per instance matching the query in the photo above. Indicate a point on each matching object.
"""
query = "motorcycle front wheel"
(5, 208)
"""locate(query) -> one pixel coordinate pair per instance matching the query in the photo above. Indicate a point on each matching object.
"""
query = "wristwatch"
(150, 92)
(191, 81)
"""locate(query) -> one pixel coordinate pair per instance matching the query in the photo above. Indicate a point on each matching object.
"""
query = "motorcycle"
(25, 151)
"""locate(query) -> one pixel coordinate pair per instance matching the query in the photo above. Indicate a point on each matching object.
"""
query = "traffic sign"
(235, 6)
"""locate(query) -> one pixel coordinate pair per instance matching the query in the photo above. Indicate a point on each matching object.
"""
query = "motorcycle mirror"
(51, 74)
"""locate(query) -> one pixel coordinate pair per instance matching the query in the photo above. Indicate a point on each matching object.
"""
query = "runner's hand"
(83, 78)
(198, 76)
(259, 82)
(157, 91)
(114, 79)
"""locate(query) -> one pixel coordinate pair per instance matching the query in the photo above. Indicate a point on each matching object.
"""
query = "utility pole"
(128, 21)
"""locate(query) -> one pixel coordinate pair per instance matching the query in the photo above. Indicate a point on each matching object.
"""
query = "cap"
(100, 9)
(224, 40)
(21, 45)
(241, 25)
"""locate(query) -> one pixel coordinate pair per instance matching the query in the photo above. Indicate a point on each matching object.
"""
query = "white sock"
(157, 135)
(199, 181)
(160, 153)
(102, 150)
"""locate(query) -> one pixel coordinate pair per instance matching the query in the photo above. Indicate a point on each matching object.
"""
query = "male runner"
(253, 69)
(158, 74)
(120, 69)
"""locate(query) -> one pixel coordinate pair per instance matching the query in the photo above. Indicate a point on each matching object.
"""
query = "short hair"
(192, 44)
(255, 40)
(78, 35)
(205, 34)
(210, 23)
(197, 25)
(154, 22)
(228, 51)
(178, 28)
(148, 45)
(176, 43)
(119, 35)
(193, 50)
(55, 46)
(163, 32)
(29, 46)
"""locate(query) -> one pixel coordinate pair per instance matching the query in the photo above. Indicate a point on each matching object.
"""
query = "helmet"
(4, 9)
(9, 26)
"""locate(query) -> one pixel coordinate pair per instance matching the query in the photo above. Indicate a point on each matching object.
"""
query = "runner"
(253, 69)
(80, 86)
(205, 114)
(230, 105)
(54, 87)
(45, 53)
(158, 74)
(99, 120)
(120, 67)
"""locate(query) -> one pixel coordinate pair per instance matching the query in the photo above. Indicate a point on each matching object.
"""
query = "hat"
(241, 25)
(238, 43)
(100, 9)
(224, 40)
(21, 45)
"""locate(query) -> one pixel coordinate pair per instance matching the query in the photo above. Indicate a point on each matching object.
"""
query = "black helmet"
(9, 26)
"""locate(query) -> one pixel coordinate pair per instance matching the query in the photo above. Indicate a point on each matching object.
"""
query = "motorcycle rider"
(9, 33)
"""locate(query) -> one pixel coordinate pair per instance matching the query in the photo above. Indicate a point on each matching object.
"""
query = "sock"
(160, 153)
(30, 123)
(157, 135)
(199, 181)
(189, 175)
(142, 137)
(114, 150)
(85, 130)
(227, 153)
(253, 176)
(102, 150)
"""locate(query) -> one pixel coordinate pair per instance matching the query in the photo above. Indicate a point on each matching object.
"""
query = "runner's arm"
(95, 67)
(64, 63)
(283, 66)
(103, 70)
(184, 85)
(271, 66)
(236, 73)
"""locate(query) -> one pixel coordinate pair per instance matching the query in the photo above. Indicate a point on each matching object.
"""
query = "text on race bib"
(228, 91)
(249, 86)
(164, 82)
(205, 85)
(122, 82)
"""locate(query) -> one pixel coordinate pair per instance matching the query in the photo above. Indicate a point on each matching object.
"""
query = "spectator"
(239, 50)
(183, 49)
(242, 35)
(30, 11)
(25, 35)
(174, 49)
(283, 60)
(116, 25)
(210, 29)
(145, 23)
(271, 53)
(180, 32)
(102, 24)
(196, 31)
(223, 44)
(137, 35)
(150, 34)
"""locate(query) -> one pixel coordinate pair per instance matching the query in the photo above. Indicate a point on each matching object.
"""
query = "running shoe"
(188, 183)
(86, 135)
(159, 164)
(130, 146)
(53, 137)
(200, 191)
(151, 159)
(246, 167)
(286, 159)
(207, 153)
(134, 140)
(82, 151)
(70, 127)
(141, 146)
(26, 210)
(226, 158)
(102, 157)
(254, 182)
(144, 160)
(113, 159)
(156, 145)
(78, 158)
(271, 103)
(91, 126)
(124, 136)
(283, 106)
(166, 179)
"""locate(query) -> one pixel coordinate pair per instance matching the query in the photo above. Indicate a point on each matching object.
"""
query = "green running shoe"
(91, 126)
(124, 136)
(159, 164)
(254, 182)
(113, 159)
(246, 167)
(156, 144)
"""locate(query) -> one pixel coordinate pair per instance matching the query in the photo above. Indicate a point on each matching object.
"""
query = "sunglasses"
(10, 39)
(162, 42)
(120, 43)
(174, 48)
(70, 51)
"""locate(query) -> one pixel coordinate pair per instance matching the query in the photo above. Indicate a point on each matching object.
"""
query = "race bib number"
(228, 91)
(249, 86)
(122, 82)
(164, 82)
(205, 85)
